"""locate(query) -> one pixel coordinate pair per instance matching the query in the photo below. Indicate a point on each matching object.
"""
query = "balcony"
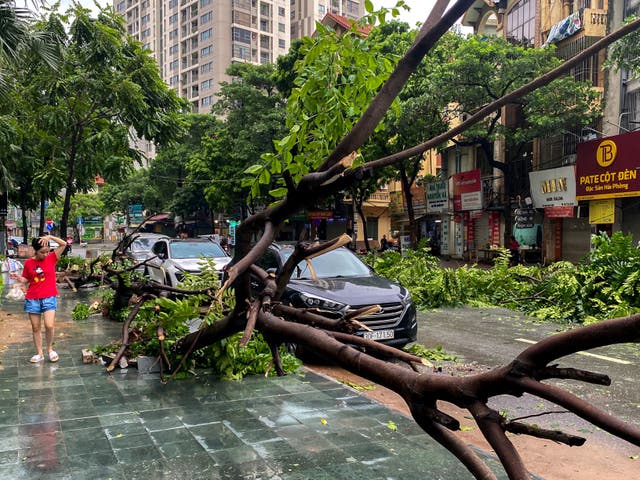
(593, 24)
(379, 199)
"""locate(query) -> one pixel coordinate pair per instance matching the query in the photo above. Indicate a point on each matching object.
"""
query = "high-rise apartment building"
(194, 41)
(305, 13)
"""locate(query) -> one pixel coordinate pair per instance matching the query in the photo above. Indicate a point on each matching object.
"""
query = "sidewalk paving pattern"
(73, 421)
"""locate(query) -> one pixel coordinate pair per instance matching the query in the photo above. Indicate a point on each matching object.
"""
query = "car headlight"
(312, 301)
(405, 296)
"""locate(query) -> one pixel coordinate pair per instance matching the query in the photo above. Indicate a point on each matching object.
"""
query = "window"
(205, 34)
(206, 85)
(241, 51)
(173, 81)
(265, 57)
(205, 101)
(321, 9)
(206, 51)
(520, 23)
(281, 27)
(145, 19)
(264, 25)
(265, 9)
(173, 34)
(206, 18)
(173, 3)
(352, 8)
(281, 11)
(282, 43)
(173, 49)
(206, 67)
(204, 3)
(241, 35)
(173, 65)
(173, 18)
(145, 4)
(145, 33)
(146, 46)
(120, 7)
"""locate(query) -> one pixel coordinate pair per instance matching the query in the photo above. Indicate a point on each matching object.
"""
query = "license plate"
(379, 335)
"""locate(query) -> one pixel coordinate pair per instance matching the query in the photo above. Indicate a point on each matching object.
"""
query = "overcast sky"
(419, 10)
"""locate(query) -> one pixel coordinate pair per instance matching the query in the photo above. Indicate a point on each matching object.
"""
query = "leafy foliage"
(606, 284)
(81, 312)
(178, 315)
(437, 354)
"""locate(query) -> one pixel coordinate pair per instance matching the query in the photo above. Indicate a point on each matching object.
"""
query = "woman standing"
(41, 298)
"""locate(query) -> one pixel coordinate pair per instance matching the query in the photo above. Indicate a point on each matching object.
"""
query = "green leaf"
(253, 169)
(368, 6)
(278, 192)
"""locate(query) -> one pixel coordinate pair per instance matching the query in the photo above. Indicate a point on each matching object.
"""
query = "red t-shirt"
(41, 275)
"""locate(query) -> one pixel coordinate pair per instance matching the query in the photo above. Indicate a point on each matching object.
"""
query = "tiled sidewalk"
(73, 421)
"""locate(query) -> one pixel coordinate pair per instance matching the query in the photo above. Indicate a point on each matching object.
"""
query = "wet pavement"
(69, 420)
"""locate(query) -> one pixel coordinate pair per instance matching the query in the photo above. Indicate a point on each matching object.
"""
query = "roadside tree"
(106, 88)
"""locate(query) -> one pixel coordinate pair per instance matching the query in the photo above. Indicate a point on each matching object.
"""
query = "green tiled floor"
(75, 421)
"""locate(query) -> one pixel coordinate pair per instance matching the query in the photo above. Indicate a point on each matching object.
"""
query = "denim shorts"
(40, 305)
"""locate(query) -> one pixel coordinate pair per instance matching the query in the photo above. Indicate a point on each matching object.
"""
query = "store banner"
(558, 212)
(466, 190)
(608, 167)
(554, 187)
(436, 197)
(494, 227)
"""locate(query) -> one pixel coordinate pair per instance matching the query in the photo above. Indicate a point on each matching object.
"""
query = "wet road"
(492, 337)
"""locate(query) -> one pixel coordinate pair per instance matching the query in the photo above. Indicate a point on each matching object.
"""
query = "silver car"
(171, 258)
(140, 248)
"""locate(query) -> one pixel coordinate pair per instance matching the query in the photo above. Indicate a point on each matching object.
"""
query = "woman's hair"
(35, 243)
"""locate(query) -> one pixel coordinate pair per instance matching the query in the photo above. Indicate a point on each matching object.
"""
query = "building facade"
(194, 41)
(557, 212)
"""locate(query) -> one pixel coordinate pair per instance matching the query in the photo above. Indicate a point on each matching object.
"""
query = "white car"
(173, 257)
(140, 248)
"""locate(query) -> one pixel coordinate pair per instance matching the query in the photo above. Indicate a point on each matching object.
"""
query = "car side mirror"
(162, 255)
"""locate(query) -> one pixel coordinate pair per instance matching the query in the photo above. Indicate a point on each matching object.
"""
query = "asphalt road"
(487, 337)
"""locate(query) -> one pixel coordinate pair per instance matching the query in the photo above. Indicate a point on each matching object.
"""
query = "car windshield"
(196, 250)
(143, 244)
(336, 263)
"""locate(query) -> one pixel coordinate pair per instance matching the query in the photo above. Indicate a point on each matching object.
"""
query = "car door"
(155, 266)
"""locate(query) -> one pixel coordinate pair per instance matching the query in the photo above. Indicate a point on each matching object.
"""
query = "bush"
(606, 284)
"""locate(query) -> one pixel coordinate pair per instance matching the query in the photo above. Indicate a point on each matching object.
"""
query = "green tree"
(254, 115)
(337, 75)
(174, 172)
(136, 189)
(106, 87)
(85, 205)
(484, 69)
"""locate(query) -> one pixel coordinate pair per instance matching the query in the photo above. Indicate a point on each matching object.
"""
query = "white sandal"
(36, 358)
(53, 356)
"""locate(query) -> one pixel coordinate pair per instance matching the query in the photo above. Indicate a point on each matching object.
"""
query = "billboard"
(466, 190)
(554, 187)
(436, 197)
(608, 167)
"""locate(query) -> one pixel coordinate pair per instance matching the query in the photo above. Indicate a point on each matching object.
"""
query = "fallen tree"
(332, 338)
